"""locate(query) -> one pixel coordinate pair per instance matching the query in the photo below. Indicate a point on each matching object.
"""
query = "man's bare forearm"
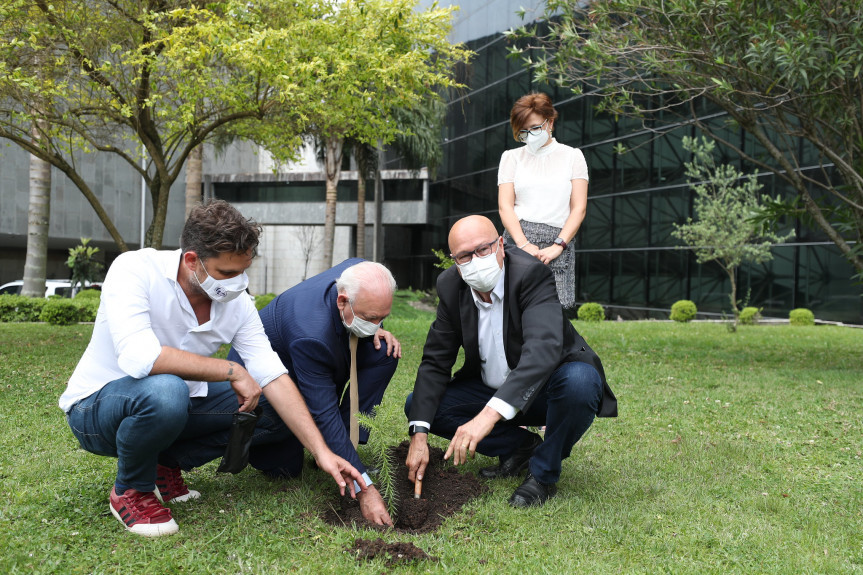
(194, 367)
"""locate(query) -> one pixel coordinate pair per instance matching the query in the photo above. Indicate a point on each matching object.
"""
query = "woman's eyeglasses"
(535, 131)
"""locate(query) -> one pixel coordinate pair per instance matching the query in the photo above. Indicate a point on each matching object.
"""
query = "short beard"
(195, 284)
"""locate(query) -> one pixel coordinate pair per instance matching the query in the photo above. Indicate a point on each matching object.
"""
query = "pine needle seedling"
(384, 459)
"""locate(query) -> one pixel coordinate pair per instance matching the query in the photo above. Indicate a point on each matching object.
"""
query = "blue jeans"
(153, 420)
(566, 405)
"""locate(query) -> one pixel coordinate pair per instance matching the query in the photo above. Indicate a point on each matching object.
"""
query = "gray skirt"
(542, 236)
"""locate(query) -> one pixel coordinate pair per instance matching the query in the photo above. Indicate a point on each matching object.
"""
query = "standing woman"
(542, 191)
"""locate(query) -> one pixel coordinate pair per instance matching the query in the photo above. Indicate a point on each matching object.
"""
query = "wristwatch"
(560, 242)
(417, 429)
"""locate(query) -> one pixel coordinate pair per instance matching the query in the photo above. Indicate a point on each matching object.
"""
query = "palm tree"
(419, 145)
(366, 158)
(38, 219)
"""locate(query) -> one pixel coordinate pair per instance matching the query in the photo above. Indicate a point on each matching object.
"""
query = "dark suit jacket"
(305, 328)
(537, 338)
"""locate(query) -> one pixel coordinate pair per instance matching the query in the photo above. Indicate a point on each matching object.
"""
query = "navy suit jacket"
(537, 338)
(305, 328)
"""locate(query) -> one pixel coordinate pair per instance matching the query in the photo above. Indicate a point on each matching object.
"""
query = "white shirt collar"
(172, 264)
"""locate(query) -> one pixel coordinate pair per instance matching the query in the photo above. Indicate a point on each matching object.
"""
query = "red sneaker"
(142, 514)
(171, 486)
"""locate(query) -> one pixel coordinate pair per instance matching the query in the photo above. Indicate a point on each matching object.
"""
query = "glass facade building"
(627, 258)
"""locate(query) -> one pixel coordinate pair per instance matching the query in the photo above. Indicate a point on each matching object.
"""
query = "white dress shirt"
(492, 354)
(144, 308)
(542, 181)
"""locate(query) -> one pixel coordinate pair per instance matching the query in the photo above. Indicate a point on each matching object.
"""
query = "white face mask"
(360, 327)
(225, 290)
(534, 143)
(481, 273)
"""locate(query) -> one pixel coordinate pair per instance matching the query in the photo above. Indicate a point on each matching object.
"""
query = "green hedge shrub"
(683, 310)
(263, 299)
(61, 312)
(17, 308)
(801, 316)
(591, 311)
(750, 315)
(93, 294)
(88, 308)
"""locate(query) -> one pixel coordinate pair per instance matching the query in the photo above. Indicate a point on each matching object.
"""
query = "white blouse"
(542, 181)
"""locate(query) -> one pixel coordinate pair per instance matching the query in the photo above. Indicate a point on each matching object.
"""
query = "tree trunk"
(732, 276)
(378, 236)
(160, 189)
(194, 177)
(39, 217)
(333, 167)
(361, 214)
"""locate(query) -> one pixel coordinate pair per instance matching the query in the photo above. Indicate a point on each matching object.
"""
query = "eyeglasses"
(482, 251)
(535, 131)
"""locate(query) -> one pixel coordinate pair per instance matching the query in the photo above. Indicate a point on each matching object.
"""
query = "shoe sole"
(192, 494)
(147, 529)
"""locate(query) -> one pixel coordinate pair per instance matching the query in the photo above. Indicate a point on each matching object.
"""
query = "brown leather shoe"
(532, 493)
(516, 462)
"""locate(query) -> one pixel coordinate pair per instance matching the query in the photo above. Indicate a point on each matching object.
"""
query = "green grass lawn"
(733, 453)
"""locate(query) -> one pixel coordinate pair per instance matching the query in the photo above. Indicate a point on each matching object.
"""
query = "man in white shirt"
(524, 365)
(146, 390)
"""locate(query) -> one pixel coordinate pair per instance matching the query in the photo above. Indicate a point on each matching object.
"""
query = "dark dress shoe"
(516, 462)
(532, 493)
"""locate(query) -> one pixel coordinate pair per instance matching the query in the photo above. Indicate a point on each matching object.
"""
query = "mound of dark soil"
(392, 553)
(445, 490)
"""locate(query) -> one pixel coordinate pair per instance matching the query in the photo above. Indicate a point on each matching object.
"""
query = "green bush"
(17, 308)
(262, 300)
(88, 308)
(591, 311)
(801, 316)
(93, 294)
(750, 315)
(60, 311)
(683, 310)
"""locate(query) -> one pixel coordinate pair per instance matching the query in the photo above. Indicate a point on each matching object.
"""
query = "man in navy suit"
(309, 327)
(524, 364)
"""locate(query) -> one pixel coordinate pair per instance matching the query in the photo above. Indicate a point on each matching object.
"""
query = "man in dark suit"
(524, 365)
(309, 327)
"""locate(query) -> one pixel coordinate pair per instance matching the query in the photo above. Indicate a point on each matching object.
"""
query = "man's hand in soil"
(468, 436)
(343, 472)
(373, 507)
(418, 457)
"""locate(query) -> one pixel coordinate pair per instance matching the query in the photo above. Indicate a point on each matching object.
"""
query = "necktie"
(355, 394)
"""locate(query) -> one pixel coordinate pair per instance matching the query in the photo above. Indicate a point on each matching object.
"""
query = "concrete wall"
(478, 18)
(346, 212)
(116, 184)
(281, 261)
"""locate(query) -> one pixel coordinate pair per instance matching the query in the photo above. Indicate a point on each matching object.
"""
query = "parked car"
(52, 287)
